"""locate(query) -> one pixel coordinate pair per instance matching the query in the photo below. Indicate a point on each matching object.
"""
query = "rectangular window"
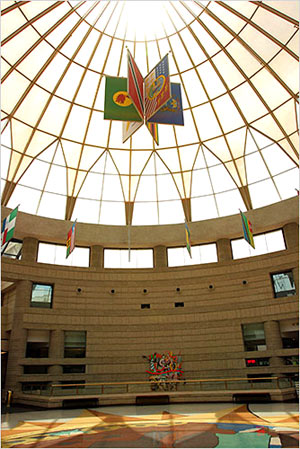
(75, 344)
(283, 284)
(179, 257)
(145, 306)
(13, 249)
(35, 387)
(289, 330)
(56, 255)
(291, 360)
(41, 296)
(254, 337)
(118, 258)
(73, 369)
(37, 343)
(179, 304)
(264, 244)
(258, 378)
(35, 369)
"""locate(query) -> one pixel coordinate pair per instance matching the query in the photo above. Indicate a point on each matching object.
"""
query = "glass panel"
(200, 254)
(264, 243)
(119, 258)
(283, 284)
(56, 254)
(41, 295)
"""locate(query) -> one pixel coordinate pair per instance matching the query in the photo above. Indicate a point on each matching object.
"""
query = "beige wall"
(206, 331)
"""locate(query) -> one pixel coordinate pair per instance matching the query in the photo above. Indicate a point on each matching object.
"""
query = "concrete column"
(276, 361)
(224, 250)
(160, 256)
(272, 335)
(273, 341)
(30, 249)
(18, 336)
(291, 235)
(56, 347)
(97, 257)
(56, 350)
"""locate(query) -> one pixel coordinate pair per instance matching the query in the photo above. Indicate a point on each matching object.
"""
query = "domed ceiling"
(237, 63)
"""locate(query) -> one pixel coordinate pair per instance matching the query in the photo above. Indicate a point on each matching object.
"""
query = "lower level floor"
(189, 425)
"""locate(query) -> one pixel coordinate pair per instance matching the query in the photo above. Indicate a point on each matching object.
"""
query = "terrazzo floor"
(221, 425)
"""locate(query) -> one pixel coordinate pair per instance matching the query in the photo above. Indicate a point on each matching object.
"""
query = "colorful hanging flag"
(188, 239)
(8, 227)
(71, 240)
(129, 128)
(135, 85)
(117, 103)
(153, 129)
(247, 229)
(171, 113)
(157, 88)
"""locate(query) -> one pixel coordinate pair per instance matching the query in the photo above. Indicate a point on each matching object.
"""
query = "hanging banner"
(117, 103)
(135, 85)
(171, 113)
(157, 88)
(129, 128)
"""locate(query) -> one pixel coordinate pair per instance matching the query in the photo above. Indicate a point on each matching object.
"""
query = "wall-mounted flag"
(71, 240)
(171, 113)
(157, 88)
(117, 103)
(8, 227)
(188, 239)
(135, 85)
(247, 229)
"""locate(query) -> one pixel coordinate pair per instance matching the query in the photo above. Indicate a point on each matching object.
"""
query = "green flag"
(117, 104)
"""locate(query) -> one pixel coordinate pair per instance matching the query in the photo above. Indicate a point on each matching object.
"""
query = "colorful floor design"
(227, 427)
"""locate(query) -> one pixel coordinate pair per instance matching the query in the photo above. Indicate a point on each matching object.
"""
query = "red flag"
(135, 85)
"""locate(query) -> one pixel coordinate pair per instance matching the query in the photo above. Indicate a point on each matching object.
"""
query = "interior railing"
(139, 387)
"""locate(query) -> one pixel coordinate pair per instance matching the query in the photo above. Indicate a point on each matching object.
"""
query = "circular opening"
(211, 286)
(178, 289)
(245, 282)
(145, 290)
(79, 290)
(112, 291)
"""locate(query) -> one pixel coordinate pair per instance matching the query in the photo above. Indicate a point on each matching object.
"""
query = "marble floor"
(221, 425)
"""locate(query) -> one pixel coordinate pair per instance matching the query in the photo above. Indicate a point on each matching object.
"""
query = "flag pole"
(129, 241)
(4, 248)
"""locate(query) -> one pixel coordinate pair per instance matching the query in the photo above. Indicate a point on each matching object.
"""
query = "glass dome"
(237, 63)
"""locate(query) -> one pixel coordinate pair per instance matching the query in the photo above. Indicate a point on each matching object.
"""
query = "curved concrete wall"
(206, 331)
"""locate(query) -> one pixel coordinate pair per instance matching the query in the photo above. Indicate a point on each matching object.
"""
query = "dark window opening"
(37, 349)
(75, 344)
(37, 387)
(73, 369)
(145, 306)
(283, 284)
(179, 304)
(254, 337)
(35, 369)
(259, 378)
(41, 296)
(291, 360)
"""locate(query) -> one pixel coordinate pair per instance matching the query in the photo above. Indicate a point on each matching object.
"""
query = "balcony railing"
(139, 387)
